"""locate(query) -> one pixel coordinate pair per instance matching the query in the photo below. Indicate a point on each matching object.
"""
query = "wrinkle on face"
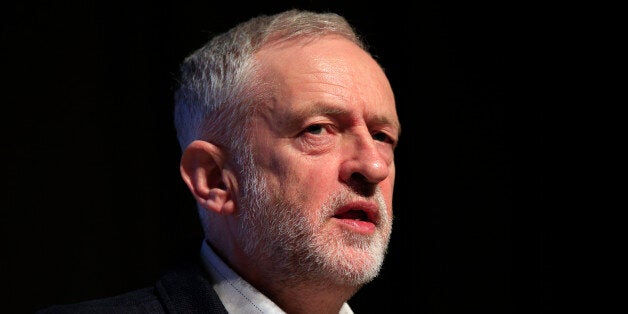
(332, 81)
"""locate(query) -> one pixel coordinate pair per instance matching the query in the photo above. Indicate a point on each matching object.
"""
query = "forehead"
(330, 70)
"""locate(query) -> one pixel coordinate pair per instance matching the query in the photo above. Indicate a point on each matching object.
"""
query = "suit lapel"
(187, 289)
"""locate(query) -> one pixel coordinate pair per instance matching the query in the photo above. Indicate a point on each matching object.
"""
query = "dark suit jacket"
(185, 289)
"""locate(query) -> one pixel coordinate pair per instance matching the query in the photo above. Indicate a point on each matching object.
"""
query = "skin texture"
(309, 221)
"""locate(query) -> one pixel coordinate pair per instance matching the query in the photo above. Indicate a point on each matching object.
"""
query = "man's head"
(288, 128)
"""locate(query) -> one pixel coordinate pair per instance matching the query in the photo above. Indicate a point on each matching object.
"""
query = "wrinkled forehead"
(332, 71)
(325, 53)
(330, 60)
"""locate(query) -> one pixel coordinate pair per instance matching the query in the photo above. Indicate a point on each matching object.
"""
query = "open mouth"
(359, 219)
(361, 214)
(353, 214)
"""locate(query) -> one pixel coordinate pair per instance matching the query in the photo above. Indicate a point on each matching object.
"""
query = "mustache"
(342, 197)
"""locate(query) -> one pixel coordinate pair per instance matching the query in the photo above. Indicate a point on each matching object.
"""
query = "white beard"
(276, 232)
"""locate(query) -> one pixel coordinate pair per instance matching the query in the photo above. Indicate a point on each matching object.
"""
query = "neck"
(295, 294)
(309, 298)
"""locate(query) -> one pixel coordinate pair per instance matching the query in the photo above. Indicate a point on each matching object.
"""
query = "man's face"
(320, 204)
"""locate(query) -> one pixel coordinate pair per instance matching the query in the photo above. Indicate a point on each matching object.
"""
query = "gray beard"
(276, 233)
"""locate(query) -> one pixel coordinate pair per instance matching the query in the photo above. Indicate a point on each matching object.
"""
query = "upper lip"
(371, 210)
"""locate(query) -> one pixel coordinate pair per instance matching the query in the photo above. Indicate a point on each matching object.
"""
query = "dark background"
(96, 206)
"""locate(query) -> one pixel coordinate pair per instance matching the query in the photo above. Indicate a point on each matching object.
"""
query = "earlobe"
(203, 170)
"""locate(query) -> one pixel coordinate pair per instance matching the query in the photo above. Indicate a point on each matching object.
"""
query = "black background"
(96, 206)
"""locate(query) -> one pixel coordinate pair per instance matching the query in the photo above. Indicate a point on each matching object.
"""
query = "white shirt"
(237, 295)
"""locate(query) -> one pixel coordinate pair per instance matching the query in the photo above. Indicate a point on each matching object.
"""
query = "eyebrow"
(320, 109)
(384, 120)
(317, 109)
(324, 109)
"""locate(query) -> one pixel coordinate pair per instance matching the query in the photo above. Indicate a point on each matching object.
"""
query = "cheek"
(295, 178)
(387, 192)
(312, 183)
(388, 188)
(315, 182)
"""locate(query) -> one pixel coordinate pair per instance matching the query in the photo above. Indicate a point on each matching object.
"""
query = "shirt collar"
(237, 295)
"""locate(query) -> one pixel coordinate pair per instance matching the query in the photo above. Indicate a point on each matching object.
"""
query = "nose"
(364, 162)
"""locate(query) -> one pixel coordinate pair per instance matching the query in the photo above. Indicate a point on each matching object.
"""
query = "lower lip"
(359, 226)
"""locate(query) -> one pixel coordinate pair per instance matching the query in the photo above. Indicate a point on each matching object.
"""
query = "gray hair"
(219, 85)
(218, 82)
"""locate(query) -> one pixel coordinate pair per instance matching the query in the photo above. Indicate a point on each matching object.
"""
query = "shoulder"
(139, 301)
(185, 288)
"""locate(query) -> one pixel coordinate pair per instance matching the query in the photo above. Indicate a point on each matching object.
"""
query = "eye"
(315, 129)
(383, 137)
(316, 138)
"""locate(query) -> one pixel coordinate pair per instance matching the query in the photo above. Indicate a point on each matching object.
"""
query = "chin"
(356, 259)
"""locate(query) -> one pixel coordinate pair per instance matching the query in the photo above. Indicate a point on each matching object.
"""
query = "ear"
(203, 170)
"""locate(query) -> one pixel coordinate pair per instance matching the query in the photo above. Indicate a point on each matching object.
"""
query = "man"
(288, 128)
